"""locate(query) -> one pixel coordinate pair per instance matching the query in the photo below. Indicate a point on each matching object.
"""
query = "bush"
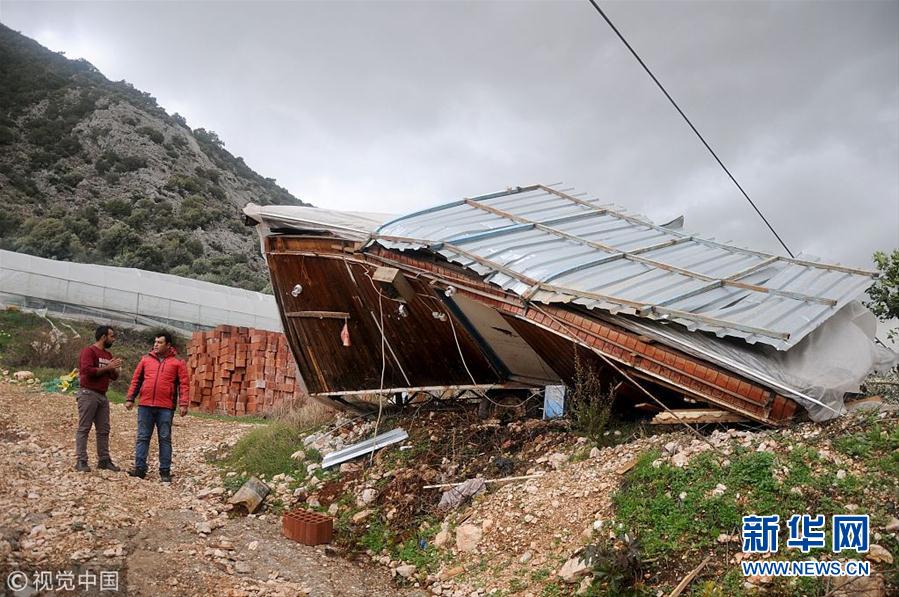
(193, 213)
(885, 292)
(590, 407)
(119, 208)
(48, 237)
(184, 184)
(117, 240)
(152, 134)
(144, 256)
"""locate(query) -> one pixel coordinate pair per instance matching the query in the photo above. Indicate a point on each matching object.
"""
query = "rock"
(857, 586)
(253, 545)
(299, 455)
(679, 460)
(242, 568)
(671, 447)
(467, 538)
(487, 525)
(368, 495)
(841, 474)
(682, 496)
(892, 525)
(878, 553)
(595, 452)
(723, 538)
(442, 538)
(719, 489)
(23, 375)
(406, 571)
(361, 516)
(525, 557)
(574, 570)
(557, 460)
(450, 573)
(333, 509)
(203, 528)
(349, 467)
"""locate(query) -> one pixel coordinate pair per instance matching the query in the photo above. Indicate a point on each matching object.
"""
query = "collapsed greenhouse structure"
(502, 294)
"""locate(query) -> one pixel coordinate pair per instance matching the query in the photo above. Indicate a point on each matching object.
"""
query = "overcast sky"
(391, 107)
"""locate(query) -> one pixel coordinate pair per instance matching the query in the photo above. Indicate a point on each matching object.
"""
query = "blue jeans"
(147, 418)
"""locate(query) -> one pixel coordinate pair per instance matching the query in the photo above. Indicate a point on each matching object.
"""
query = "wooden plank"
(319, 314)
(697, 415)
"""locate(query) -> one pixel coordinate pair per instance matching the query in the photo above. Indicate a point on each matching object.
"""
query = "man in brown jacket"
(97, 368)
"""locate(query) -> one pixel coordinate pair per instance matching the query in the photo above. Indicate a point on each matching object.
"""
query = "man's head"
(162, 342)
(105, 334)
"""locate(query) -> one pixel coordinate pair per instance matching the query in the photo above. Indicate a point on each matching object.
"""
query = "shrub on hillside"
(117, 239)
(48, 237)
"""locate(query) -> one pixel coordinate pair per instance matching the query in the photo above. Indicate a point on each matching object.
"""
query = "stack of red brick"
(240, 371)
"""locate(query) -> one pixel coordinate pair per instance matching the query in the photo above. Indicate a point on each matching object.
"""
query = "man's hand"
(115, 363)
(129, 404)
(182, 411)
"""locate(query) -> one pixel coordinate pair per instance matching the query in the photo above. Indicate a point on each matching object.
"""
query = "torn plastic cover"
(831, 361)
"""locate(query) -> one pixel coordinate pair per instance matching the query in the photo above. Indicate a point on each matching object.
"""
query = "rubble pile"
(241, 371)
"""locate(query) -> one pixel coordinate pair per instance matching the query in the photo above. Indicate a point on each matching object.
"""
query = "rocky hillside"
(96, 171)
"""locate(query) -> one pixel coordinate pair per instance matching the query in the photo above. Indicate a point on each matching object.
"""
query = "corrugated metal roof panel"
(548, 246)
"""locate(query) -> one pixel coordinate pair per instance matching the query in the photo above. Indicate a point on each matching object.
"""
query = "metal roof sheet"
(549, 246)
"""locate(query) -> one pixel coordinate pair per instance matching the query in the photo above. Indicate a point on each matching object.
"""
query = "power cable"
(698, 134)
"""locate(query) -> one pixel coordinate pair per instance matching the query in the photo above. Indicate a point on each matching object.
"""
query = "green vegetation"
(877, 447)
(50, 351)
(56, 163)
(885, 291)
(590, 405)
(678, 513)
(266, 451)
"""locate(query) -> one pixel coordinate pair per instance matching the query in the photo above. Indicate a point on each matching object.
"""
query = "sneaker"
(82, 466)
(137, 472)
(165, 476)
(108, 465)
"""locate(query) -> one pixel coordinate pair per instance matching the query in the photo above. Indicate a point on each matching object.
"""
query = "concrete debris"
(251, 495)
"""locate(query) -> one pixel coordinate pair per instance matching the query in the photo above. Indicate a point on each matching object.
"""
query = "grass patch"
(266, 451)
(877, 446)
(650, 504)
(377, 537)
(230, 418)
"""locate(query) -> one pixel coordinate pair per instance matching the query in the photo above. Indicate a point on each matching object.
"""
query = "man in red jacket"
(96, 368)
(160, 380)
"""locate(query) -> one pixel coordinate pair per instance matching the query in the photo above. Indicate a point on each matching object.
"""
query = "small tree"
(885, 292)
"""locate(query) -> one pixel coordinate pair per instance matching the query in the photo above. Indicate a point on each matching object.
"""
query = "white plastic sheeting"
(130, 295)
(830, 362)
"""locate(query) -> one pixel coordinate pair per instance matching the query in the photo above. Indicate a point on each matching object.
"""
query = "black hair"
(164, 334)
(101, 331)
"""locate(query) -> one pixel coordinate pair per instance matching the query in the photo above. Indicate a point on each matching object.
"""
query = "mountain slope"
(95, 171)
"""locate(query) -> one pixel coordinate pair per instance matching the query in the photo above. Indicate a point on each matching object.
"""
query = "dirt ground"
(53, 518)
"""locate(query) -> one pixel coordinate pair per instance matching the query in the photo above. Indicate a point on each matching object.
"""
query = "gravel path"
(52, 518)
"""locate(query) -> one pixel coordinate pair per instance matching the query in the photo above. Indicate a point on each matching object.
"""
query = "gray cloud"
(394, 106)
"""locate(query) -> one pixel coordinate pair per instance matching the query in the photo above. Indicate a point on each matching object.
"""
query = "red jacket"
(160, 381)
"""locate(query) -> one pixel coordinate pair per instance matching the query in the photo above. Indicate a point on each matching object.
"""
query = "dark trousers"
(149, 417)
(93, 409)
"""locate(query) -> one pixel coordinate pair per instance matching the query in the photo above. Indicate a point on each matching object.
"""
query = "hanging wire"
(698, 134)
